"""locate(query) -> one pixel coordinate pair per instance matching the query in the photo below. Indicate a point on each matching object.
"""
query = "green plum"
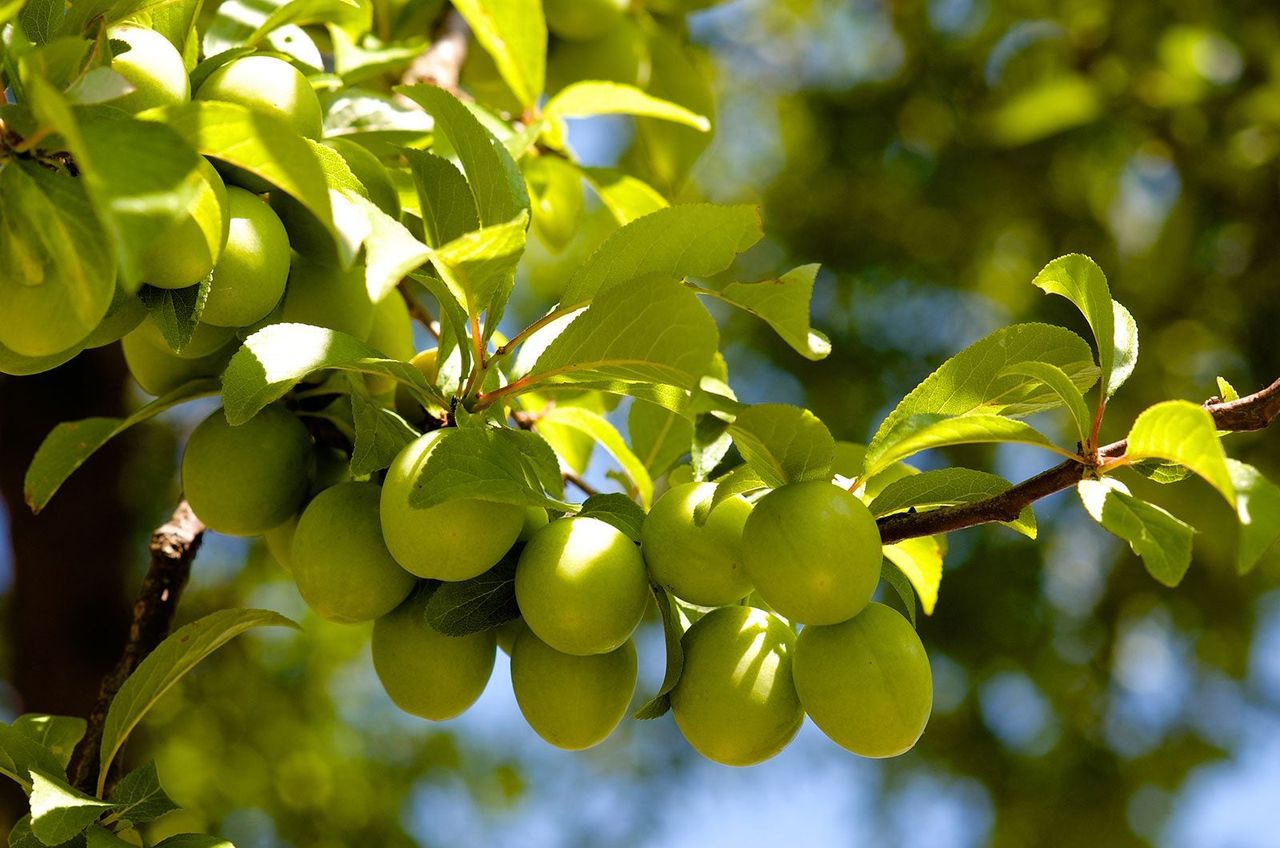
(184, 253)
(426, 673)
(17, 365)
(508, 632)
(158, 371)
(392, 336)
(455, 540)
(620, 55)
(123, 316)
(736, 703)
(570, 701)
(332, 467)
(325, 295)
(482, 79)
(249, 277)
(866, 682)
(204, 341)
(152, 66)
(244, 480)
(279, 541)
(370, 172)
(702, 565)
(555, 193)
(343, 569)
(535, 518)
(583, 20)
(269, 86)
(406, 405)
(581, 586)
(812, 550)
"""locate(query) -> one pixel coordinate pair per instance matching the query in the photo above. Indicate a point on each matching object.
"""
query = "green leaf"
(592, 97)
(1126, 347)
(40, 19)
(947, 487)
(277, 357)
(59, 734)
(70, 443)
(60, 811)
(783, 304)
(20, 755)
(1182, 432)
(514, 33)
(673, 628)
(454, 327)
(176, 312)
(22, 837)
(898, 582)
(1060, 384)
(658, 436)
(380, 434)
(926, 431)
(1079, 279)
(653, 333)
(444, 198)
(342, 12)
(1258, 508)
(479, 267)
(139, 798)
(616, 509)
(626, 197)
(694, 240)
(740, 481)
(1226, 391)
(193, 840)
(185, 648)
(490, 464)
(971, 381)
(1163, 542)
(496, 182)
(784, 444)
(478, 604)
(607, 436)
(258, 143)
(711, 442)
(98, 836)
(920, 560)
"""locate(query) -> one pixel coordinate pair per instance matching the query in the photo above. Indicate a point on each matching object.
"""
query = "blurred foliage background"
(932, 155)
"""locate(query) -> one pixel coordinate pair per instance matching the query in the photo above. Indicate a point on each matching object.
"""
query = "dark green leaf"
(478, 604)
(60, 811)
(898, 582)
(784, 444)
(447, 206)
(492, 464)
(380, 434)
(783, 304)
(673, 634)
(22, 837)
(1163, 542)
(617, 509)
(139, 798)
(60, 734)
(20, 755)
(176, 312)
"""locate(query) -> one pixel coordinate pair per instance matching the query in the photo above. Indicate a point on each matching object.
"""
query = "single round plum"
(812, 550)
(581, 586)
(158, 371)
(555, 190)
(324, 295)
(17, 365)
(153, 66)
(123, 316)
(244, 480)
(204, 341)
(184, 253)
(392, 336)
(269, 86)
(249, 277)
(702, 565)
(866, 682)
(736, 703)
(455, 540)
(570, 701)
(425, 672)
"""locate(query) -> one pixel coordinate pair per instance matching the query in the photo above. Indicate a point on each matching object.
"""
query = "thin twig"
(587, 489)
(418, 312)
(1253, 412)
(441, 64)
(173, 546)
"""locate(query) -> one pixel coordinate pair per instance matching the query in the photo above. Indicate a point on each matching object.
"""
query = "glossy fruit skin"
(249, 277)
(812, 550)
(17, 365)
(866, 682)
(185, 253)
(736, 703)
(702, 565)
(343, 570)
(269, 86)
(153, 66)
(572, 702)
(555, 192)
(123, 316)
(583, 20)
(406, 405)
(425, 672)
(370, 172)
(332, 467)
(244, 480)
(392, 336)
(535, 518)
(324, 295)
(279, 541)
(508, 633)
(158, 371)
(581, 586)
(455, 540)
(204, 341)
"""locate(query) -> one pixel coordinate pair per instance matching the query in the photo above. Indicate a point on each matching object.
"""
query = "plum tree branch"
(173, 546)
(441, 64)
(1252, 412)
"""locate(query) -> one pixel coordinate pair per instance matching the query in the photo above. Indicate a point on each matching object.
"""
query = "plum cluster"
(806, 553)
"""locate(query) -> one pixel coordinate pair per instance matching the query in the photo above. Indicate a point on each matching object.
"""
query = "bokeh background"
(932, 155)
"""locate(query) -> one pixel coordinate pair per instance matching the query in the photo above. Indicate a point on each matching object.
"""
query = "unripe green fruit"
(581, 586)
(392, 336)
(343, 569)
(620, 55)
(325, 295)
(702, 565)
(279, 541)
(455, 540)
(248, 280)
(123, 316)
(17, 365)
(269, 86)
(244, 480)
(153, 66)
(866, 682)
(736, 703)
(812, 550)
(535, 518)
(370, 172)
(332, 467)
(555, 192)
(426, 673)
(482, 79)
(204, 341)
(184, 253)
(406, 405)
(508, 633)
(572, 702)
(583, 20)
(158, 371)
